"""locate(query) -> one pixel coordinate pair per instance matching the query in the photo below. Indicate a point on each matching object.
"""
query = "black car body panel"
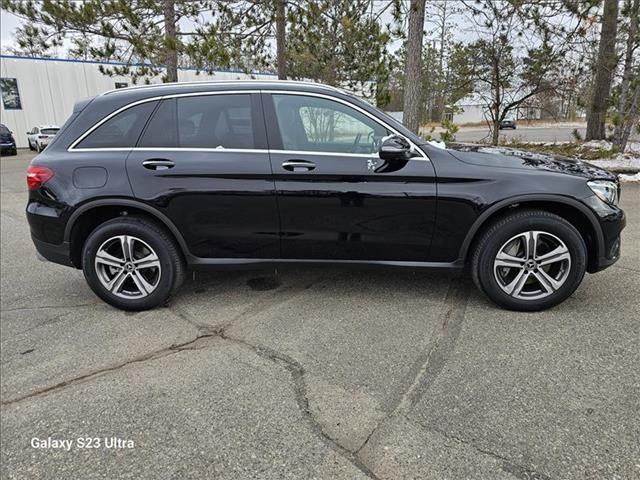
(264, 202)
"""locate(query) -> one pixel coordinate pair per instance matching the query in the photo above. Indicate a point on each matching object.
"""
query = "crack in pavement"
(626, 268)
(435, 359)
(294, 367)
(45, 307)
(429, 365)
(297, 372)
(519, 471)
(98, 373)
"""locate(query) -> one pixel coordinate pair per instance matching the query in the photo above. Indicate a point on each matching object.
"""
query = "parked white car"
(39, 137)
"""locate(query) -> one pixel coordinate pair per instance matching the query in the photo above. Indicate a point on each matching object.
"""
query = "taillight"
(38, 176)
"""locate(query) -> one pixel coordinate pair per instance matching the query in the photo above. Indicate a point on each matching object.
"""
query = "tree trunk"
(604, 72)
(281, 26)
(171, 40)
(412, 82)
(497, 102)
(633, 115)
(443, 86)
(495, 132)
(626, 89)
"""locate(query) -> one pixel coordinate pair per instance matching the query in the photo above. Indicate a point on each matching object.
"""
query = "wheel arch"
(91, 214)
(579, 215)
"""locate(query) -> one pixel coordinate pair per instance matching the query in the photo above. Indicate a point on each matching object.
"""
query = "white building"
(42, 91)
(475, 109)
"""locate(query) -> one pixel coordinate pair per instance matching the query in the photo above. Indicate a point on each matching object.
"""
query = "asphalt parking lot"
(315, 373)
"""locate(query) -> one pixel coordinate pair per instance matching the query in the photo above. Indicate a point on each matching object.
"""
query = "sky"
(8, 23)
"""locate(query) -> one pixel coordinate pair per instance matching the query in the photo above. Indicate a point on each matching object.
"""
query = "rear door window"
(121, 130)
(215, 121)
(207, 121)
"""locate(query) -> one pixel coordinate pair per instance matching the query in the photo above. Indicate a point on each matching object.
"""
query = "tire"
(124, 280)
(31, 146)
(505, 271)
(39, 148)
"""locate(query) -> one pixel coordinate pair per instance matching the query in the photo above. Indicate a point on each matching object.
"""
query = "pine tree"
(146, 35)
(339, 42)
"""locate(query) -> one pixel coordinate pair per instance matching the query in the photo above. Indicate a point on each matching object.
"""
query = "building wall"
(49, 88)
(469, 114)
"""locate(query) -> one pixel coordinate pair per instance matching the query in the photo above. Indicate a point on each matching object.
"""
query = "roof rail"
(224, 82)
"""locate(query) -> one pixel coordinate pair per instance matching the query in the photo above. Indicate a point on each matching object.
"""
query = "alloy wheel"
(128, 267)
(532, 265)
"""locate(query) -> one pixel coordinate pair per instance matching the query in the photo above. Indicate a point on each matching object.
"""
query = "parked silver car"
(39, 137)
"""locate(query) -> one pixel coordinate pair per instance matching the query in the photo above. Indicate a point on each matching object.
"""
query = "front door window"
(313, 124)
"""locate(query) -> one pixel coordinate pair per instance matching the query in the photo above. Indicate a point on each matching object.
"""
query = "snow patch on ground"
(597, 144)
(633, 178)
(633, 147)
(622, 161)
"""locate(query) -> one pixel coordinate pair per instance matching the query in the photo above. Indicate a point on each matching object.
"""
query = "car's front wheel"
(132, 263)
(529, 260)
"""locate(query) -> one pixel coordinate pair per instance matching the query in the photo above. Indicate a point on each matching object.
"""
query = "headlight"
(605, 190)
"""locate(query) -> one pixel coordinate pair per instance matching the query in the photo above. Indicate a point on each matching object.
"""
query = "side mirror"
(395, 147)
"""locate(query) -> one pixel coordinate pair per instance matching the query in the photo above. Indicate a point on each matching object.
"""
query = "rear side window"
(208, 121)
(121, 130)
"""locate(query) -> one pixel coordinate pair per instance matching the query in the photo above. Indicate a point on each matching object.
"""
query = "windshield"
(49, 131)
(4, 130)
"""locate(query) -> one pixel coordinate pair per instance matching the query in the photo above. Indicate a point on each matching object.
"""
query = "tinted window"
(161, 130)
(4, 130)
(49, 131)
(122, 130)
(208, 121)
(215, 121)
(322, 125)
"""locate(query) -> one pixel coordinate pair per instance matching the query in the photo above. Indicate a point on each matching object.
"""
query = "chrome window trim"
(234, 150)
(326, 154)
(423, 155)
(173, 149)
(216, 83)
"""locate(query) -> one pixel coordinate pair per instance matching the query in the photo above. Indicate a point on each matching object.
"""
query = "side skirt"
(196, 263)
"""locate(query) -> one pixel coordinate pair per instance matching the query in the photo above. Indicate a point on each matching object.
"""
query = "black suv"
(7, 142)
(144, 183)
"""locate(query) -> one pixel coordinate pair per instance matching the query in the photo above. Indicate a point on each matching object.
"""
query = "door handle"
(158, 164)
(296, 165)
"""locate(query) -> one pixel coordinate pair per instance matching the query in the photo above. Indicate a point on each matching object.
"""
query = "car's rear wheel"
(132, 263)
(529, 261)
